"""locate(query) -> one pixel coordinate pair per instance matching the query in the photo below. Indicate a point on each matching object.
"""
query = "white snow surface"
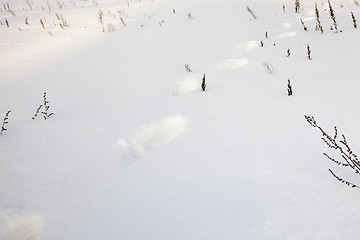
(135, 150)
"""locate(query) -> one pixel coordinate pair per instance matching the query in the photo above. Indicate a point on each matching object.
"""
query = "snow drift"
(16, 226)
(152, 136)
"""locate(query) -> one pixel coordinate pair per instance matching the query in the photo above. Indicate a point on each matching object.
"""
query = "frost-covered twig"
(349, 158)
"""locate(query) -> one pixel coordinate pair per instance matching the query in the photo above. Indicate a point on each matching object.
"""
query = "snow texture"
(136, 150)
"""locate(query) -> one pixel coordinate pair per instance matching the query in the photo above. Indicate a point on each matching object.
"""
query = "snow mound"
(15, 226)
(152, 136)
(187, 85)
(232, 64)
(249, 45)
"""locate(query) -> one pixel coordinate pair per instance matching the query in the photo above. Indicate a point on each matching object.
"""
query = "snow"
(135, 150)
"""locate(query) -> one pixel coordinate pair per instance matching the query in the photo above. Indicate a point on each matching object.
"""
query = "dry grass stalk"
(42, 24)
(289, 88)
(332, 14)
(354, 20)
(123, 22)
(303, 24)
(318, 23)
(269, 67)
(187, 68)
(297, 6)
(251, 12)
(203, 84)
(5, 121)
(308, 52)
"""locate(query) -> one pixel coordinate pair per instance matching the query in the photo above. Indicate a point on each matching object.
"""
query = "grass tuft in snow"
(46, 112)
(308, 52)
(203, 84)
(289, 88)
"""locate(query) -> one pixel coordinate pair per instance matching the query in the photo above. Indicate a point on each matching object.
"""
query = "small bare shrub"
(348, 157)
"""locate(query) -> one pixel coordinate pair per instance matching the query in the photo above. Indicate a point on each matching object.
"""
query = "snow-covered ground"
(135, 150)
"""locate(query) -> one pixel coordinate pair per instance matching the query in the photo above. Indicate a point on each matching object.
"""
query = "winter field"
(134, 150)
